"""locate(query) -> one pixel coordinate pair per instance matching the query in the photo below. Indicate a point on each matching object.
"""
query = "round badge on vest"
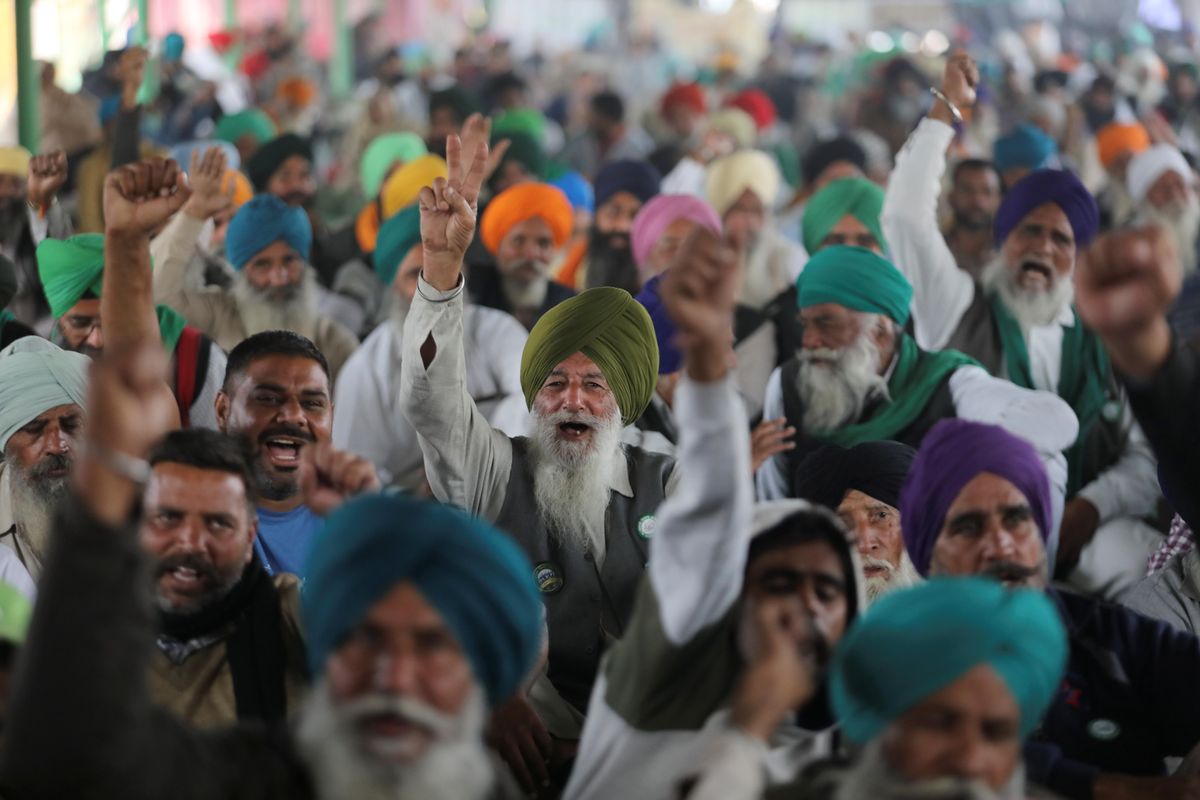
(547, 576)
(646, 526)
(1103, 729)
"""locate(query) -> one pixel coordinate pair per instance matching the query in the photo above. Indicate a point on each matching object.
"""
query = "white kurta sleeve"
(1129, 488)
(771, 481)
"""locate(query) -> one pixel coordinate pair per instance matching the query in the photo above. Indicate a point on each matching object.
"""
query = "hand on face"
(783, 673)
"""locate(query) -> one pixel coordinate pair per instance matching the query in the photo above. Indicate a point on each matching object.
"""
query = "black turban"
(270, 157)
(877, 469)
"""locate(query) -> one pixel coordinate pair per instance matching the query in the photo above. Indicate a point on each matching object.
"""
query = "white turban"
(35, 376)
(1151, 164)
(731, 175)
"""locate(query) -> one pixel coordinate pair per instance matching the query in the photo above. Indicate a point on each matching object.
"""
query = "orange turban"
(242, 190)
(526, 201)
(1117, 138)
(297, 92)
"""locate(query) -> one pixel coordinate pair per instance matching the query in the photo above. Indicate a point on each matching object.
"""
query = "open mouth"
(186, 579)
(874, 572)
(574, 430)
(389, 725)
(284, 451)
(1037, 272)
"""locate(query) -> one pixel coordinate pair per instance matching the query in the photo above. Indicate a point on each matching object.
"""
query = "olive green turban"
(612, 329)
(858, 197)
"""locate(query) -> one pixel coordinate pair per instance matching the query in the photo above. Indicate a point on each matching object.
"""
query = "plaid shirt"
(1180, 540)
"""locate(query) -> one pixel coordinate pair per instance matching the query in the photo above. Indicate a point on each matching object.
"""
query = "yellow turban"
(730, 176)
(526, 201)
(402, 187)
(14, 161)
(612, 329)
(242, 190)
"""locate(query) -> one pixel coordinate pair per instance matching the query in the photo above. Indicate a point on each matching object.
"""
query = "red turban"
(755, 103)
(522, 202)
(685, 94)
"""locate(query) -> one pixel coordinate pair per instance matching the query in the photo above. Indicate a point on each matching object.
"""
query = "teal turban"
(858, 197)
(35, 376)
(251, 122)
(612, 329)
(382, 153)
(915, 642)
(856, 278)
(527, 121)
(262, 221)
(474, 575)
(396, 237)
(69, 269)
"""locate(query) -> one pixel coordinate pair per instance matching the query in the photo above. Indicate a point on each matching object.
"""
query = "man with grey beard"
(1019, 322)
(41, 417)
(580, 504)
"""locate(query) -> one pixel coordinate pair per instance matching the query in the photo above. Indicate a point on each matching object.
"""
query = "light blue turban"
(474, 575)
(262, 221)
(182, 153)
(915, 642)
(35, 376)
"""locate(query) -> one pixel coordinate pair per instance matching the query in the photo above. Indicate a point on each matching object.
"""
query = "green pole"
(102, 12)
(341, 73)
(28, 81)
(141, 36)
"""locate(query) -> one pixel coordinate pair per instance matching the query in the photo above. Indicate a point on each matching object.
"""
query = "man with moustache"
(41, 418)
(268, 243)
(977, 502)
(1019, 322)
(975, 194)
(621, 189)
(859, 377)
(29, 213)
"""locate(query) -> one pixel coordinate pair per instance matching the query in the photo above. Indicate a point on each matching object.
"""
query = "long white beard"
(570, 479)
(262, 312)
(526, 295)
(872, 777)
(1031, 308)
(1183, 221)
(894, 578)
(33, 505)
(834, 395)
(454, 767)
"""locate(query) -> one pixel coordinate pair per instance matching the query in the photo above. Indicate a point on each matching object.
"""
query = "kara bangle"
(131, 468)
(940, 95)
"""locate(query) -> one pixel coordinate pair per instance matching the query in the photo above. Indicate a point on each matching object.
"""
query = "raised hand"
(140, 197)
(1125, 284)
(131, 68)
(770, 438)
(960, 79)
(330, 477)
(47, 174)
(782, 674)
(448, 210)
(699, 291)
(478, 128)
(206, 174)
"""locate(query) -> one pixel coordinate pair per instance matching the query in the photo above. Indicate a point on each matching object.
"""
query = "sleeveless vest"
(586, 607)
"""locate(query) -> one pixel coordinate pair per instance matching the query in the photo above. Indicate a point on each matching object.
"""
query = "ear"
(221, 406)
(253, 536)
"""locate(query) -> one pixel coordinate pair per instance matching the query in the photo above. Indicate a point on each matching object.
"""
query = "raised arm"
(941, 291)
(127, 133)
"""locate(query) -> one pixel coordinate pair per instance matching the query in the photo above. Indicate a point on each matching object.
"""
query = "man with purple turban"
(1019, 322)
(978, 502)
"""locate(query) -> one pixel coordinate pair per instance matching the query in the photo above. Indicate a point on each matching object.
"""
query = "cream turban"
(36, 376)
(731, 175)
(1149, 165)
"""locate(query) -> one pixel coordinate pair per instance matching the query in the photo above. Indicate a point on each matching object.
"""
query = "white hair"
(34, 499)
(894, 577)
(834, 394)
(1182, 220)
(1030, 307)
(292, 308)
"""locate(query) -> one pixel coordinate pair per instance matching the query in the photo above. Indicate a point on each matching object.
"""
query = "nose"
(811, 340)
(279, 276)
(865, 539)
(396, 672)
(532, 251)
(291, 412)
(190, 536)
(95, 337)
(998, 542)
(58, 441)
(573, 397)
(970, 757)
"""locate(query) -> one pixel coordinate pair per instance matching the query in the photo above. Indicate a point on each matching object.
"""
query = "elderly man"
(844, 212)
(581, 505)
(977, 502)
(862, 484)
(973, 199)
(859, 377)
(72, 272)
(418, 619)
(29, 213)
(1116, 144)
(368, 391)
(523, 228)
(41, 417)
(268, 243)
(229, 645)
(721, 574)
(1019, 323)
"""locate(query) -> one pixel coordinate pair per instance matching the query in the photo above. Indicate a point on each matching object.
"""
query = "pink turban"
(658, 214)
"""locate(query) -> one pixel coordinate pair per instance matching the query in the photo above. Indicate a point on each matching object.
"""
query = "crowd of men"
(536, 435)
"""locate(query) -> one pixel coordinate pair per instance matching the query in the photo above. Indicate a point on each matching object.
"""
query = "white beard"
(345, 765)
(571, 479)
(1183, 221)
(33, 505)
(893, 580)
(872, 777)
(834, 395)
(523, 295)
(261, 312)
(1031, 308)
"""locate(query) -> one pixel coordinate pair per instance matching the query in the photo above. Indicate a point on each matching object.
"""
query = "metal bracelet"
(940, 95)
(133, 469)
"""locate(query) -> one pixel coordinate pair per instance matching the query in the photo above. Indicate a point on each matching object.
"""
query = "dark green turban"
(523, 149)
(856, 278)
(612, 329)
(858, 197)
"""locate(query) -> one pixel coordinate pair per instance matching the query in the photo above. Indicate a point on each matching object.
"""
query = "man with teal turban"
(72, 272)
(844, 212)
(859, 377)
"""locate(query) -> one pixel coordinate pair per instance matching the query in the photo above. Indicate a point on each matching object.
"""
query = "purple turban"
(670, 358)
(659, 214)
(1049, 186)
(952, 454)
(636, 177)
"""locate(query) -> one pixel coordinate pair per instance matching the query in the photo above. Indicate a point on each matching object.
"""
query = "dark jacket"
(486, 290)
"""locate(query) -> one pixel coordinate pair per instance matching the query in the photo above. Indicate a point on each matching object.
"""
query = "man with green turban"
(845, 212)
(72, 272)
(859, 377)
(246, 130)
(579, 503)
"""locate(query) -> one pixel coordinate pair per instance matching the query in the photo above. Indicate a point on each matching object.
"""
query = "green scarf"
(917, 376)
(170, 327)
(1085, 373)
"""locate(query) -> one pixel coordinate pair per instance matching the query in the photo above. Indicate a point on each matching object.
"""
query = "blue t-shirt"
(284, 539)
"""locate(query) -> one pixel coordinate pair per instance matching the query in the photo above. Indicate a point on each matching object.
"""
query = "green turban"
(527, 121)
(382, 152)
(252, 121)
(37, 375)
(523, 149)
(856, 278)
(396, 237)
(858, 197)
(612, 329)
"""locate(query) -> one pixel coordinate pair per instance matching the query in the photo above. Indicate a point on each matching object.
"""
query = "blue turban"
(182, 153)
(636, 177)
(577, 189)
(1027, 146)
(35, 376)
(173, 47)
(396, 237)
(856, 278)
(954, 453)
(670, 357)
(1049, 186)
(474, 575)
(915, 642)
(262, 221)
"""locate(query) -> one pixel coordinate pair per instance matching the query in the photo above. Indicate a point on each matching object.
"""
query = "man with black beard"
(975, 193)
(1019, 322)
(230, 645)
(621, 188)
(29, 213)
